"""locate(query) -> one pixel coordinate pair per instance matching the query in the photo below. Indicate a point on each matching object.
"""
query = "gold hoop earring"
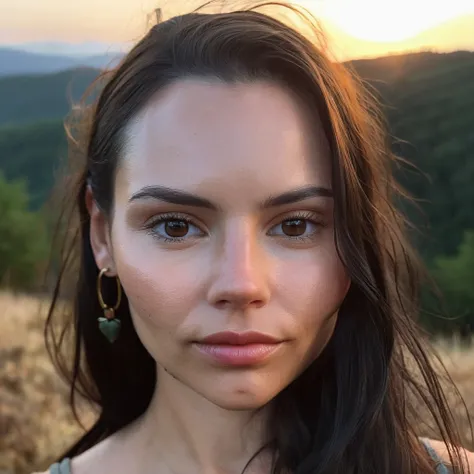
(109, 324)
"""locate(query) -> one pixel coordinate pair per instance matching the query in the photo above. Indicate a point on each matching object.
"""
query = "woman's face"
(223, 221)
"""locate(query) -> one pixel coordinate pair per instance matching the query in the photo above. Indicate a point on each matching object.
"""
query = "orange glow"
(389, 20)
(356, 28)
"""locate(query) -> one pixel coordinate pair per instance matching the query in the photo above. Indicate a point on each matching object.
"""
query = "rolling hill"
(28, 98)
(15, 62)
(429, 101)
(33, 153)
(65, 48)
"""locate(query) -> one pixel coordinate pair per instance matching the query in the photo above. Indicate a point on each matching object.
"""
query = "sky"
(355, 27)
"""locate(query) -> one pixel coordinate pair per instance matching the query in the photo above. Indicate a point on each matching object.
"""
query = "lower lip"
(238, 355)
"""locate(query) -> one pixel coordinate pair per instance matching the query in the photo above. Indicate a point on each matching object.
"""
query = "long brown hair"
(356, 408)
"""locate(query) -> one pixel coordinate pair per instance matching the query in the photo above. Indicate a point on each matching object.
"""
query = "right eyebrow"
(173, 196)
(183, 198)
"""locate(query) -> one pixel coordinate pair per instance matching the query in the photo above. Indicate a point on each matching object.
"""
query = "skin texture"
(236, 268)
(220, 142)
(236, 146)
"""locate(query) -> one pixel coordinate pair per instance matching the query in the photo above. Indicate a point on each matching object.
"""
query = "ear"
(99, 234)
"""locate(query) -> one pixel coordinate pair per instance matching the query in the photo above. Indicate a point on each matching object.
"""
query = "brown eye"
(294, 227)
(176, 228)
(301, 227)
(170, 228)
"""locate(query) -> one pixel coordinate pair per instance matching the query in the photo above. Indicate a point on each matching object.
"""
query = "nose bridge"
(240, 254)
(240, 273)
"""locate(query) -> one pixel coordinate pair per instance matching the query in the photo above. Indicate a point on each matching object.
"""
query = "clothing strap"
(64, 467)
(441, 468)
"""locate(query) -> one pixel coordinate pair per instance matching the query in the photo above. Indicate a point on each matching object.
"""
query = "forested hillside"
(26, 99)
(429, 101)
(33, 152)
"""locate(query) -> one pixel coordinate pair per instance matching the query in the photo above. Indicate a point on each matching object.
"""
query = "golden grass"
(36, 425)
(35, 422)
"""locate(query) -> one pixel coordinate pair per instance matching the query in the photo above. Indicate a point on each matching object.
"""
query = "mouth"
(240, 339)
(238, 349)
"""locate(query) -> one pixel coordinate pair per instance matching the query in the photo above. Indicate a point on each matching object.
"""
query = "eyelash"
(311, 217)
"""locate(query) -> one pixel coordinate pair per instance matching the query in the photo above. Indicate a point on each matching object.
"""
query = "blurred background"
(419, 57)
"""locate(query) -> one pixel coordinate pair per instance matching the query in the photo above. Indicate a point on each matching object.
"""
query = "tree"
(455, 277)
(23, 237)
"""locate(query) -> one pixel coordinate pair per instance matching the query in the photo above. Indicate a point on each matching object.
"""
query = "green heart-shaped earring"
(110, 328)
(109, 325)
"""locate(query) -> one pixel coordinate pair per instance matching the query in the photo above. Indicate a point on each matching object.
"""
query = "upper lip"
(239, 338)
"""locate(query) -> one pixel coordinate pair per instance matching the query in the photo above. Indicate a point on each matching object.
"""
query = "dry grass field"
(35, 422)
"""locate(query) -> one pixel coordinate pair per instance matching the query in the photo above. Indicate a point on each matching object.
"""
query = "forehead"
(217, 138)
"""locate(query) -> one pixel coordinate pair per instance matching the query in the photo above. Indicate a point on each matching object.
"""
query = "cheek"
(161, 289)
(315, 286)
(312, 292)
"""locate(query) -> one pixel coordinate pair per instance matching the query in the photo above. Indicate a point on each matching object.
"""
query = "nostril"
(222, 303)
(239, 303)
(231, 295)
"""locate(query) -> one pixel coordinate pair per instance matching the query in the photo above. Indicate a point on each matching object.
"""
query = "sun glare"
(386, 21)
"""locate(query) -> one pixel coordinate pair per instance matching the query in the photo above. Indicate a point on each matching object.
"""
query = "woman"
(246, 299)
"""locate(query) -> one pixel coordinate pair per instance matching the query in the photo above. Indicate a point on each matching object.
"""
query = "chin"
(240, 401)
(241, 393)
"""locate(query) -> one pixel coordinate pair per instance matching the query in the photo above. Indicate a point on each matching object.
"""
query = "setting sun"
(387, 21)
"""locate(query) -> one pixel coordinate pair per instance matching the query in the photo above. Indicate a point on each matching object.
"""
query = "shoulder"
(63, 467)
(106, 456)
(442, 451)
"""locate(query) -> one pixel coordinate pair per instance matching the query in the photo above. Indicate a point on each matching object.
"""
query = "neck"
(191, 434)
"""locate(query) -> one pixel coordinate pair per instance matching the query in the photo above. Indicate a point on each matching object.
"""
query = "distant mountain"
(414, 67)
(14, 62)
(84, 49)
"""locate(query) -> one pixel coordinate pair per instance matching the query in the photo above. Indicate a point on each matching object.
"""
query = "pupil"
(294, 227)
(176, 228)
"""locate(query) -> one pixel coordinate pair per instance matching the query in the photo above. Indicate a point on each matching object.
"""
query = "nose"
(240, 277)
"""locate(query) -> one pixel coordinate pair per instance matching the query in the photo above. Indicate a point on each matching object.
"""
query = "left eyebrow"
(296, 195)
(184, 198)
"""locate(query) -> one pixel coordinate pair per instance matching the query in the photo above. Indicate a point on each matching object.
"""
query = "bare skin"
(240, 266)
